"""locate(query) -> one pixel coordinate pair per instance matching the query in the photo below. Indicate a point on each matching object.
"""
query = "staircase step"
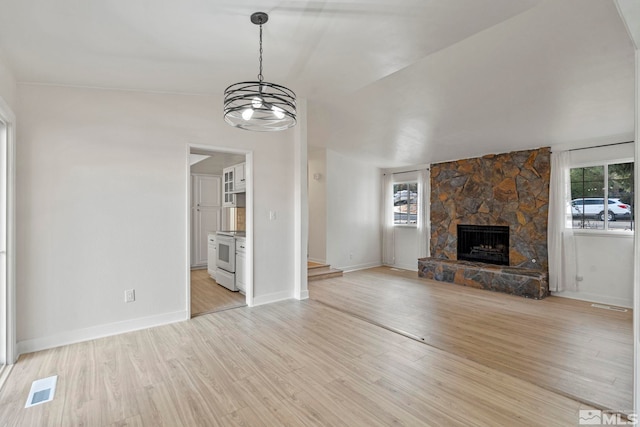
(325, 272)
(315, 266)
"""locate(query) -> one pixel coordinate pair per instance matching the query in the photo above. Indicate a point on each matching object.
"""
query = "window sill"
(405, 225)
(604, 233)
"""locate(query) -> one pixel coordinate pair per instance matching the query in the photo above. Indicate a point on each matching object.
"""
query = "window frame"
(416, 203)
(605, 231)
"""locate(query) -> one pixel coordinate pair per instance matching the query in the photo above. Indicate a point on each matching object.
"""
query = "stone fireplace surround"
(510, 189)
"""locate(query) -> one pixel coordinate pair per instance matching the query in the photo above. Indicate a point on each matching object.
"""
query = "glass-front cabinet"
(229, 197)
(233, 183)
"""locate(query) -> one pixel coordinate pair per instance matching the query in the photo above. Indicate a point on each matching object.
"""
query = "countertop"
(233, 233)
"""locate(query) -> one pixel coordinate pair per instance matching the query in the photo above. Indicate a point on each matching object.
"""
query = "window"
(405, 203)
(594, 187)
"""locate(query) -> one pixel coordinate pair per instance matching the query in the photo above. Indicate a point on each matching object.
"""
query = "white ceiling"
(213, 162)
(393, 82)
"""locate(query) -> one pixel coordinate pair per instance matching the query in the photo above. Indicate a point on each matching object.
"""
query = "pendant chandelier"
(259, 105)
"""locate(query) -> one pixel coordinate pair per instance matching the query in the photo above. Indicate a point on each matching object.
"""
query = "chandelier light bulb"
(247, 114)
(256, 102)
(278, 112)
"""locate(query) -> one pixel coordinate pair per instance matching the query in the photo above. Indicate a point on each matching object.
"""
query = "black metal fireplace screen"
(484, 243)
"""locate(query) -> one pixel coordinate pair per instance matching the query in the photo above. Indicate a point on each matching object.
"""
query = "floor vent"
(608, 307)
(42, 391)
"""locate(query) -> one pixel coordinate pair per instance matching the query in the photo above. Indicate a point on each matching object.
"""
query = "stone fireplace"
(508, 191)
(483, 243)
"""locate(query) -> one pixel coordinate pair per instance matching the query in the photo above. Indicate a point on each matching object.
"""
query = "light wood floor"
(207, 296)
(285, 364)
(557, 343)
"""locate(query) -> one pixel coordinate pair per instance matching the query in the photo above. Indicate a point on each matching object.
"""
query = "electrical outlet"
(579, 278)
(129, 295)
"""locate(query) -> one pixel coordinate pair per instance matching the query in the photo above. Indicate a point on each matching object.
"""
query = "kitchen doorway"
(219, 189)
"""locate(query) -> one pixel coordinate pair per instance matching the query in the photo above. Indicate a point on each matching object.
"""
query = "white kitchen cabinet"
(241, 264)
(205, 215)
(204, 220)
(233, 182)
(228, 187)
(239, 181)
(212, 255)
(206, 190)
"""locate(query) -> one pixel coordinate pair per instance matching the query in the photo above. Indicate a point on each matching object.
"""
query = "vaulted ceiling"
(393, 82)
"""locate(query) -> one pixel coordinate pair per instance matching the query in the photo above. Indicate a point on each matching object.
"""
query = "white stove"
(226, 258)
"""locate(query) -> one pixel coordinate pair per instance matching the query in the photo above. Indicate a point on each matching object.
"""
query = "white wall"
(102, 182)
(353, 213)
(317, 164)
(605, 264)
(406, 248)
(604, 261)
(7, 83)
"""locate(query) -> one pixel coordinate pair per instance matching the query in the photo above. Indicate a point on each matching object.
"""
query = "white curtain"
(424, 229)
(560, 239)
(388, 236)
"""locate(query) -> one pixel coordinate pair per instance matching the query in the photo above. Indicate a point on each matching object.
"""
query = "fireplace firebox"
(484, 243)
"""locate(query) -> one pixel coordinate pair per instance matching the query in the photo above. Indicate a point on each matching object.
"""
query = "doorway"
(216, 204)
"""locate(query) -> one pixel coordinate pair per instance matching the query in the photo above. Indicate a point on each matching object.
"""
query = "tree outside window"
(405, 203)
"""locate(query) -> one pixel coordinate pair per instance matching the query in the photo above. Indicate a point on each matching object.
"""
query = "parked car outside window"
(400, 197)
(593, 207)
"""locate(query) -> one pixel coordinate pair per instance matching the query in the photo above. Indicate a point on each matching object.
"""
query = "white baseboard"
(87, 334)
(601, 299)
(350, 268)
(269, 298)
(304, 295)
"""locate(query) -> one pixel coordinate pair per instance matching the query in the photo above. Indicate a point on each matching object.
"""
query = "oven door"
(226, 253)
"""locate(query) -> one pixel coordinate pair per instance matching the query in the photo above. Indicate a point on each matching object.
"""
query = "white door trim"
(8, 347)
(301, 205)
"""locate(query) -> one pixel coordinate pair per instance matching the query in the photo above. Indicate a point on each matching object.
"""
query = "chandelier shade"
(258, 105)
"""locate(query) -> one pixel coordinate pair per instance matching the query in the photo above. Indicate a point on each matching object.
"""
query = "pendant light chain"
(260, 77)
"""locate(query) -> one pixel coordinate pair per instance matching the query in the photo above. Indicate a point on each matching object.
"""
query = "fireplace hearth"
(483, 243)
